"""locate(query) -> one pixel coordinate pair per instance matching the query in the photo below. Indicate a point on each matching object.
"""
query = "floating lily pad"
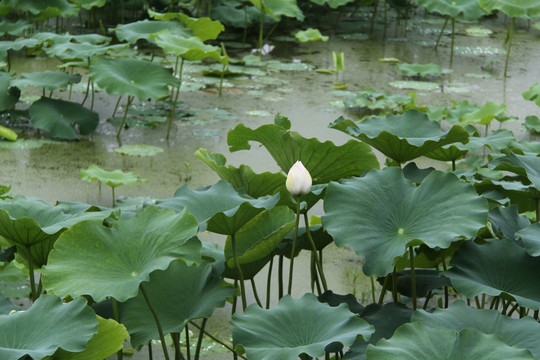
(420, 70)
(139, 150)
(22, 144)
(415, 85)
(478, 31)
(389, 60)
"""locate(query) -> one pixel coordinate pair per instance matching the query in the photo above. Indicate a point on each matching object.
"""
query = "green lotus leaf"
(310, 34)
(108, 340)
(334, 4)
(533, 94)
(530, 238)
(189, 49)
(512, 8)
(415, 85)
(294, 327)
(144, 29)
(249, 270)
(243, 177)
(69, 51)
(9, 95)
(228, 13)
(486, 113)
(204, 28)
(427, 280)
(325, 161)
(94, 260)
(419, 69)
(47, 326)
(335, 299)
(14, 282)
(16, 45)
(526, 166)
(27, 222)
(402, 137)
(16, 28)
(459, 316)
(58, 116)
(281, 8)
(532, 123)
(112, 178)
(260, 236)
(89, 4)
(49, 80)
(43, 10)
(470, 10)
(443, 344)
(380, 214)
(178, 294)
(496, 141)
(8, 134)
(131, 77)
(507, 221)
(483, 269)
(139, 150)
(220, 206)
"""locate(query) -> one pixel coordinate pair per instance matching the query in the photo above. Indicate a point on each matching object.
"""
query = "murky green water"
(51, 172)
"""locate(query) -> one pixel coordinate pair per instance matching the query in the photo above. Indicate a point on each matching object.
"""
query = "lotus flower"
(298, 180)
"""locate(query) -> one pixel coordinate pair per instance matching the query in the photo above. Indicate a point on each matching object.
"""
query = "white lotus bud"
(298, 180)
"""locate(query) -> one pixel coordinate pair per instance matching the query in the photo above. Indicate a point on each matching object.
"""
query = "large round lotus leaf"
(454, 8)
(139, 150)
(260, 236)
(530, 236)
(419, 69)
(415, 341)
(58, 116)
(500, 267)
(50, 80)
(294, 327)
(143, 29)
(279, 8)
(222, 208)
(519, 333)
(45, 327)
(254, 185)
(91, 259)
(325, 161)
(486, 113)
(512, 8)
(204, 27)
(108, 340)
(527, 166)
(190, 49)
(16, 45)
(26, 222)
(112, 178)
(310, 34)
(75, 51)
(179, 294)
(16, 28)
(89, 4)
(402, 137)
(131, 77)
(508, 221)
(51, 8)
(380, 214)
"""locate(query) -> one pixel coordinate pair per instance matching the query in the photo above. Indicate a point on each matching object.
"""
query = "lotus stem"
(176, 343)
(120, 354)
(372, 289)
(240, 273)
(280, 277)
(452, 43)
(87, 91)
(200, 338)
(394, 285)
(255, 293)
(129, 100)
(537, 207)
(441, 33)
(33, 291)
(150, 354)
(188, 352)
(216, 339)
(92, 97)
(317, 262)
(373, 16)
(261, 30)
(116, 106)
(221, 79)
(156, 319)
(269, 283)
(413, 276)
(113, 197)
(383, 290)
(443, 261)
(510, 33)
(291, 267)
(176, 96)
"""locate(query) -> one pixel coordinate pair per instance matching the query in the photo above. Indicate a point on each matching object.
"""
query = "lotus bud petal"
(298, 180)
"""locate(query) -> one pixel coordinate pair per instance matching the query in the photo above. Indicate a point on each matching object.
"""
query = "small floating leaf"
(478, 31)
(415, 85)
(139, 150)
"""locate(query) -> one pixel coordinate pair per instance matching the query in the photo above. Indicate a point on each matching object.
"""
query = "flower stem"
(413, 276)
(199, 340)
(510, 32)
(129, 100)
(34, 293)
(156, 319)
(317, 262)
(291, 267)
(171, 116)
(240, 273)
(269, 283)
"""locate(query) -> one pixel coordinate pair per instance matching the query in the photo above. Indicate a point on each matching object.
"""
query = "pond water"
(51, 172)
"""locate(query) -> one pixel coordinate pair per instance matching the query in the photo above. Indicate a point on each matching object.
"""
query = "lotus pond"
(145, 147)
